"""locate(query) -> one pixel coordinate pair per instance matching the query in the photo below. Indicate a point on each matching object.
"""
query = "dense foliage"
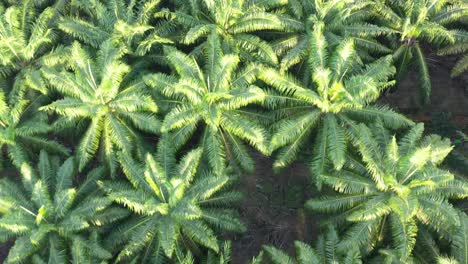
(125, 126)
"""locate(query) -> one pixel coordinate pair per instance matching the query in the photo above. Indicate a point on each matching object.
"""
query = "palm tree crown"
(397, 184)
(174, 206)
(341, 19)
(215, 95)
(338, 97)
(96, 89)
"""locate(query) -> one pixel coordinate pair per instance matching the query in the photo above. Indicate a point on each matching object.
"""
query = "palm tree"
(396, 186)
(341, 19)
(26, 35)
(55, 222)
(235, 22)
(325, 252)
(97, 90)
(337, 99)
(126, 23)
(214, 95)
(174, 207)
(418, 22)
(22, 130)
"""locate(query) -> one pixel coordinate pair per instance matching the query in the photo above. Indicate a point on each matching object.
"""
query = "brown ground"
(272, 209)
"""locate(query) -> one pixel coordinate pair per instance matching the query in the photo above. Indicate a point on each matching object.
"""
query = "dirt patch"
(273, 209)
(4, 249)
(449, 95)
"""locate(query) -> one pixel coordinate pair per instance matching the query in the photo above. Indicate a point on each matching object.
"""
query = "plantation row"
(125, 126)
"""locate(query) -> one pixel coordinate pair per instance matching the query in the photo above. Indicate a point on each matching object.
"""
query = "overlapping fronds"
(172, 207)
(397, 185)
(56, 219)
(427, 21)
(341, 90)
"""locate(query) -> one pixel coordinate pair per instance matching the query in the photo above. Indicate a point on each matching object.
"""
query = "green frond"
(277, 255)
(247, 130)
(390, 118)
(222, 219)
(90, 142)
(451, 13)
(291, 132)
(404, 236)
(188, 165)
(214, 149)
(346, 182)
(336, 141)
(179, 117)
(359, 235)
(167, 233)
(239, 152)
(423, 76)
(83, 31)
(459, 246)
(371, 209)
(320, 160)
(197, 32)
(201, 233)
(411, 139)
(318, 45)
(257, 47)
(460, 67)
(337, 203)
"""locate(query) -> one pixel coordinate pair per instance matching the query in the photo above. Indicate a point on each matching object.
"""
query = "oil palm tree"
(432, 249)
(126, 23)
(337, 98)
(235, 22)
(55, 222)
(175, 206)
(213, 96)
(326, 252)
(415, 22)
(97, 90)
(26, 35)
(341, 19)
(396, 186)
